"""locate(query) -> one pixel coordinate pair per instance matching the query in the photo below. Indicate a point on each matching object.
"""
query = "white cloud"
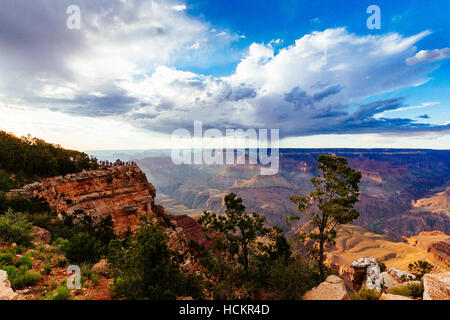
(429, 55)
(120, 65)
(282, 89)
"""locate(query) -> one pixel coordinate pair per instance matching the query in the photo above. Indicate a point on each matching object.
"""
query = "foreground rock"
(333, 288)
(366, 272)
(387, 296)
(373, 280)
(101, 267)
(394, 277)
(40, 236)
(436, 286)
(6, 293)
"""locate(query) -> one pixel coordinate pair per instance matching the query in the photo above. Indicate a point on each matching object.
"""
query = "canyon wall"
(121, 192)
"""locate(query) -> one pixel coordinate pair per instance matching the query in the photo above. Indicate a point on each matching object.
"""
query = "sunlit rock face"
(121, 192)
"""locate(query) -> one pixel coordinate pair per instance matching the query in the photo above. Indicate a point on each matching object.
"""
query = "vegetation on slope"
(26, 159)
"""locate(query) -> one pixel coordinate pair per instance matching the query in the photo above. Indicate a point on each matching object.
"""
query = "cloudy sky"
(137, 70)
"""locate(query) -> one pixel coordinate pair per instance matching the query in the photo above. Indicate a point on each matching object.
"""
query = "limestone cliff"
(122, 192)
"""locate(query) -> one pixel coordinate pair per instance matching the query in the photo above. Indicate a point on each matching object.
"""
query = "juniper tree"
(336, 190)
(238, 231)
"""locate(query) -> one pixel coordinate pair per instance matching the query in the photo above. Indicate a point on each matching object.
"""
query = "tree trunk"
(321, 266)
(245, 253)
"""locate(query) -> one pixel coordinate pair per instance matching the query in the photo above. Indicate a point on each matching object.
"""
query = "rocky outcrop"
(366, 272)
(40, 236)
(440, 251)
(101, 267)
(395, 278)
(193, 230)
(373, 280)
(180, 242)
(121, 192)
(436, 287)
(333, 288)
(6, 293)
(388, 296)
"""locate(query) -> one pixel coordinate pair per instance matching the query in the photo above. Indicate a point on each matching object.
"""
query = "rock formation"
(388, 296)
(6, 293)
(122, 192)
(436, 287)
(366, 272)
(333, 288)
(40, 236)
(394, 277)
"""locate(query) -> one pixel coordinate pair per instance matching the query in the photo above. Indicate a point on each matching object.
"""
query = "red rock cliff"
(122, 192)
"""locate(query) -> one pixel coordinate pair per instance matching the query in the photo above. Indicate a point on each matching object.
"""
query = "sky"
(134, 71)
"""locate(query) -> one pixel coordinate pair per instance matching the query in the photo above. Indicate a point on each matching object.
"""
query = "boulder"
(363, 263)
(387, 281)
(387, 296)
(373, 280)
(394, 278)
(101, 267)
(6, 293)
(401, 276)
(359, 271)
(436, 286)
(40, 236)
(333, 288)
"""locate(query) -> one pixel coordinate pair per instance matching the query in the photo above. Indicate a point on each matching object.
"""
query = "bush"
(148, 269)
(409, 290)
(25, 261)
(61, 293)
(420, 268)
(47, 269)
(5, 181)
(95, 279)
(6, 258)
(291, 281)
(83, 248)
(366, 294)
(61, 244)
(61, 263)
(20, 277)
(15, 228)
(31, 278)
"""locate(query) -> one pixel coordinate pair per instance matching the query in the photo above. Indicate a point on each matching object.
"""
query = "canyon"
(403, 192)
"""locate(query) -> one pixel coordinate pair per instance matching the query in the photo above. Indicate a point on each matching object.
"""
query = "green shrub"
(83, 248)
(5, 181)
(148, 269)
(409, 290)
(31, 278)
(420, 268)
(20, 277)
(95, 279)
(47, 269)
(25, 261)
(61, 293)
(366, 294)
(61, 263)
(6, 258)
(291, 281)
(15, 228)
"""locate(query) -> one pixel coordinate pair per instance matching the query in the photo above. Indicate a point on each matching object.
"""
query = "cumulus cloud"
(121, 65)
(310, 87)
(429, 55)
(44, 64)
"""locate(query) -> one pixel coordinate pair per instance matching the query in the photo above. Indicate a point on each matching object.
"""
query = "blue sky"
(136, 70)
